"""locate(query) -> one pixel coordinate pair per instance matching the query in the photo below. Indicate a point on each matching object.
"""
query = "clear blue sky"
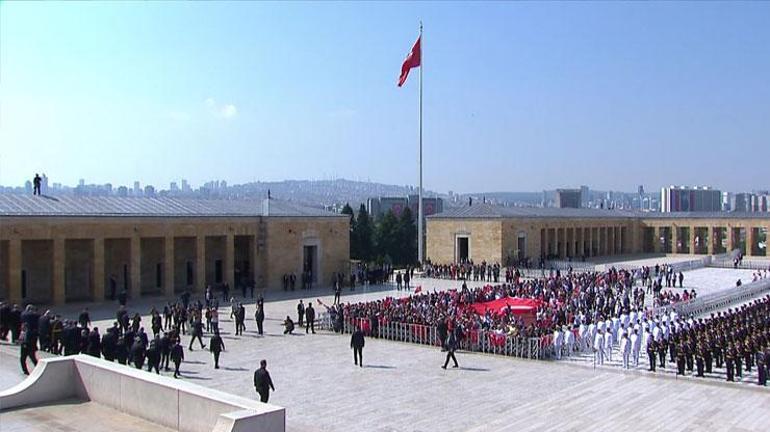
(518, 96)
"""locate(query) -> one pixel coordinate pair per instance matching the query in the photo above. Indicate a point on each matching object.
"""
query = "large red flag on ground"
(412, 61)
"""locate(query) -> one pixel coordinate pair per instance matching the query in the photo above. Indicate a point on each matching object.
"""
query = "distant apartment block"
(690, 199)
(568, 198)
(380, 206)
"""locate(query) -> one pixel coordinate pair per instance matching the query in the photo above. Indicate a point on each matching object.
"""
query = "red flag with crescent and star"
(412, 61)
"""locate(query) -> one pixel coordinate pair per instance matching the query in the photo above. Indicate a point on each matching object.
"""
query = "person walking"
(177, 355)
(28, 348)
(310, 318)
(216, 346)
(357, 344)
(262, 382)
(197, 332)
(451, 346)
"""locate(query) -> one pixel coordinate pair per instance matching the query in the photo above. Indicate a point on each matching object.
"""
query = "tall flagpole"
(420, 244)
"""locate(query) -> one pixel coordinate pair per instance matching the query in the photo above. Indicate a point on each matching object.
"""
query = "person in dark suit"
(165, 350)
(216, 346)
(310, 318)
(357, 344)
(451, 346)
(259, 316)
(138, 353)
(262, 382)
(300, 313)
(153, 355)
(177, 355)
(28, 348)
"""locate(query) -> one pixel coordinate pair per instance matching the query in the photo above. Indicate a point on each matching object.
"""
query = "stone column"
(591, 241)
(59, 260)
(730, 232)
(230, 260)
(674, 239)
(712, 240)
(750, 240)
(98, 269)
(581, 242)
(693, 230)
(621, 241)
(200, 263)
(657, 233)
(168, 266)
(14, 270)
(135, 288)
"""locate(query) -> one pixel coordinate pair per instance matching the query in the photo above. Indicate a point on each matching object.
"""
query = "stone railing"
(718, 300)
(474, 340)
(170, 403)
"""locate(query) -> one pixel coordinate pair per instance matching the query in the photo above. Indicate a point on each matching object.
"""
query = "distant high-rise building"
(137, 189)
(185, 186)
(690, 199)
(28, 186)
(584, 196)
(149, 191)
(44, 184)
(568, 198)
(173, 187)
(81, 182)
(122, 191)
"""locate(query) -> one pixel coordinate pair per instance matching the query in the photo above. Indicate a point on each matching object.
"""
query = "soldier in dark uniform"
(662, 348)
(357, 344)
(28, 348)
(738, 359)
(707, 356)
(216, 346)
(719, 350)
(730, 362)
(262, 382)
(761, 371)
(451, 347)
(700, 354)
(689, 354)
(651, 348)
(680, 359)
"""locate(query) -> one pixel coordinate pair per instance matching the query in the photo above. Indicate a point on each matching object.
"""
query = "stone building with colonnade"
(484, 232)
(56, 250)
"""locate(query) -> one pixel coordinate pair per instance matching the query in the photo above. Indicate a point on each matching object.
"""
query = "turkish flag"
(412, 61)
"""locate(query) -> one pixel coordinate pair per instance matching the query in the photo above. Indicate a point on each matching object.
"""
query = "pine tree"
(407, 238)
(363, 235)
(348, 210)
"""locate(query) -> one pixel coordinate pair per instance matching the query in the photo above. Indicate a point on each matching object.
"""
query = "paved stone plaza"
(403, 388)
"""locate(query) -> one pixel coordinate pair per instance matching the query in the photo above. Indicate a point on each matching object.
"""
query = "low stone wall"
(171, 403)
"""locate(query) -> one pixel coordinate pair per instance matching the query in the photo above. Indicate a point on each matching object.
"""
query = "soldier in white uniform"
(636, 345)
(583, 334)
(608, 341)
(599, 348)
(558, 340)
(569, 340)
(625, 349)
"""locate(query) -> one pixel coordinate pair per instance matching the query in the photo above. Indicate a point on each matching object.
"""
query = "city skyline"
(517, 96)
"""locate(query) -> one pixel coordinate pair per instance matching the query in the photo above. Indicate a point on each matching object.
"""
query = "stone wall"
(484, 239)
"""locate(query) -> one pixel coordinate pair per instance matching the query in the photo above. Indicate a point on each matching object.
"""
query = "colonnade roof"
(489, 211)
(59, 206)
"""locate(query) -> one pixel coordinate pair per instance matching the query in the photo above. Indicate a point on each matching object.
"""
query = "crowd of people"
(126, 341)
(735, 340)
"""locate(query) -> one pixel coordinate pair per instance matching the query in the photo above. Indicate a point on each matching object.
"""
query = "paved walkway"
(403, 388)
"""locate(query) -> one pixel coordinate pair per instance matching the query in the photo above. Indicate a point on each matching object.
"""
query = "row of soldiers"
(736, 340)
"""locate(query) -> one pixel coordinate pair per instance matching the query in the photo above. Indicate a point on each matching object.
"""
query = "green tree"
(386, 238)
(362, 236)
(348, 210)
(407, 238)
